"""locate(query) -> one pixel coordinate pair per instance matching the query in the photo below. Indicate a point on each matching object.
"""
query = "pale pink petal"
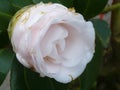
(51, 37)
(66, 75)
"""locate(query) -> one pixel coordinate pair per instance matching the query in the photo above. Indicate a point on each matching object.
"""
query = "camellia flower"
(52, 40)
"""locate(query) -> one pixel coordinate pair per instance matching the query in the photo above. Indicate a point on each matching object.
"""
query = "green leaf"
(5, 7)
(67, 3)
(6, 11)
(4, 20)
(25, 79)
(17, 77)
(6, 58)
(18, 4)
(89, 8)
(21, 3)
(102, 30)
(91, 72)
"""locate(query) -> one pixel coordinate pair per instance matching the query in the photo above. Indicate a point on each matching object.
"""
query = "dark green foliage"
(6, 58)
(89, 8)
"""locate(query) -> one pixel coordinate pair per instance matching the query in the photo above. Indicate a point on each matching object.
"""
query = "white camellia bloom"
(52, 40)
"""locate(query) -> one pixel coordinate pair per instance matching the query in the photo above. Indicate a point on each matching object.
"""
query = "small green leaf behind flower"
(102, 31)
(89, 8)
(6, 58)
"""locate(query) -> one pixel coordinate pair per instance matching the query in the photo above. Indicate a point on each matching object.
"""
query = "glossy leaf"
(6, 11)
(5, 8)
(102, 30)
(18, 4)
(21, 3)
(91, 72)
(25, 79)
(68, 3)
(4, 20)
(6, 58)
(89, 8)
(17, 79)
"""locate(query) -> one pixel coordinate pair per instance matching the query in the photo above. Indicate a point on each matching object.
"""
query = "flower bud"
(52, 40)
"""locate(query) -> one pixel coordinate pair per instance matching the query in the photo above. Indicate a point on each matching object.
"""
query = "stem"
(115, 38)
(111, 8)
